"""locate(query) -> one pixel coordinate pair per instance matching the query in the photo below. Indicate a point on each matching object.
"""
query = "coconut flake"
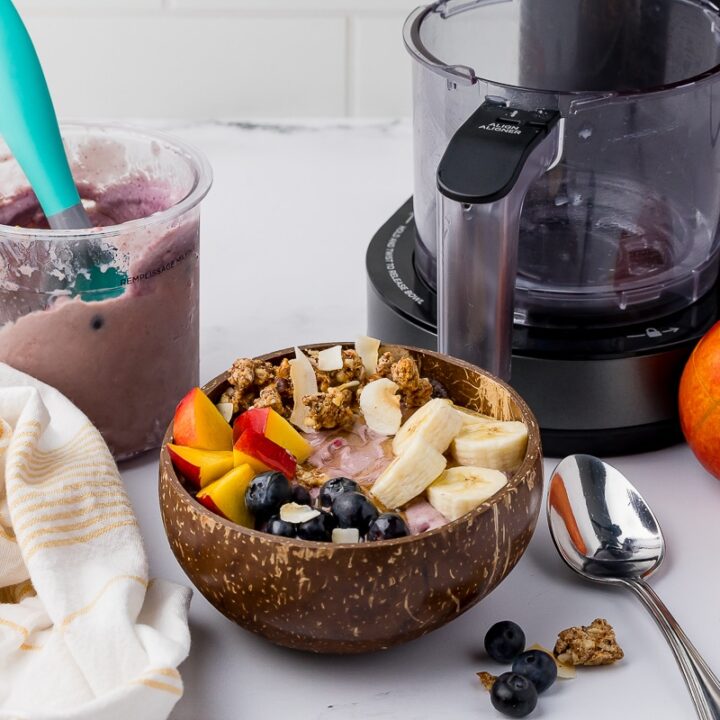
(226, 410)
(330, 359)
(296, 514)
(345, 535)
(304, 383)
(368, 349)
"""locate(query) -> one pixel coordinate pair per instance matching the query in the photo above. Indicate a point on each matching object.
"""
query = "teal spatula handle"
(29, 124)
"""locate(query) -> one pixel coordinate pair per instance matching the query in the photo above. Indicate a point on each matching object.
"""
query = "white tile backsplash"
(223, 58)
(379, 67)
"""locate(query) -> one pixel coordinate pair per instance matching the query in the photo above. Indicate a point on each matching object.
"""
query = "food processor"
(563, 228)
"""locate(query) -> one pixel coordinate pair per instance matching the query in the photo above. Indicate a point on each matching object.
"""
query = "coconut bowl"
(331, 598)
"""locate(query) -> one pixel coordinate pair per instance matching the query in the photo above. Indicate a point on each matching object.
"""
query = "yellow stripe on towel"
(124, 513)
(117, 493)
(76, 540)
(159, 686)
(83, 610)
(69, 514)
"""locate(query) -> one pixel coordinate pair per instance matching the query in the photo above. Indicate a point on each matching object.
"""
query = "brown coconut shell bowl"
(331, 598)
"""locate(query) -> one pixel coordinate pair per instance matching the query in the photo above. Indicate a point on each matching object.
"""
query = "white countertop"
(284, 234)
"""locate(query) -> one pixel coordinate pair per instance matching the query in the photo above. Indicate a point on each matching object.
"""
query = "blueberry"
(276, 526)
(438, 389)
(513, 695)
(538, 667)
(354, 510)
(319, 528)
(267, 492)
(301, 496)
(387, 526)
(332, 488)
(504, 641)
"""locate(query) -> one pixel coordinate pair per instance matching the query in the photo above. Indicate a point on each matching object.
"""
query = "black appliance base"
(604, 391)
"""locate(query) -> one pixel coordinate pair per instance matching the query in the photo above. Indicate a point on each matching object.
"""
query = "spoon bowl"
(606, 532)
(601, 525)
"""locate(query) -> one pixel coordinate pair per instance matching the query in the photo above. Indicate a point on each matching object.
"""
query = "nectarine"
(226, 496)
(699, 401)
(200, 467)
(199, 424)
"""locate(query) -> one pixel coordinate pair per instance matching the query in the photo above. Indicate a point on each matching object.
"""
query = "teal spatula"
(29, 125)
(30, 128)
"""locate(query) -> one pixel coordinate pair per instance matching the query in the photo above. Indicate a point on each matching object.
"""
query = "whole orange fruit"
(699, 401)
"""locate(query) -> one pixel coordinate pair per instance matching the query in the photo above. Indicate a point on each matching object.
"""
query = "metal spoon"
(604, 530)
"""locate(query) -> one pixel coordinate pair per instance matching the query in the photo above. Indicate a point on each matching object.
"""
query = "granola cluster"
(256, 383)
(593, 644)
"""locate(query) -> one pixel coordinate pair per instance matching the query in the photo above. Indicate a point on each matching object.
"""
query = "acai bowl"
(371, 594)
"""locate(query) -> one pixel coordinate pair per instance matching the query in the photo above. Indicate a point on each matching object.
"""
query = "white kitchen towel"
(83, 633)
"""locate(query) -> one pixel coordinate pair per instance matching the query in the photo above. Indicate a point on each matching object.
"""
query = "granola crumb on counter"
(414, 390)
(487, 680)
(593, 644)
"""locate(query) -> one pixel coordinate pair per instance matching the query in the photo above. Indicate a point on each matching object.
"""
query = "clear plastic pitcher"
(108, 316)
(600, 209)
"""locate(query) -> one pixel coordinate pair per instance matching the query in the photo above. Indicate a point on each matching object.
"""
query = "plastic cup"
(108, 316)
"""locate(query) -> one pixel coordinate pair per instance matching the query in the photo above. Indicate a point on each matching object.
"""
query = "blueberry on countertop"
(513, 695)
(387, 526)
(276, 526)
(319, 528)
(354, 510)
(332, 488)
(504, 641)
(266, 493)
(538, 667)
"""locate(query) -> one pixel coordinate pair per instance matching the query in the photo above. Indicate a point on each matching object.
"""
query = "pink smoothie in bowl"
(109, 316)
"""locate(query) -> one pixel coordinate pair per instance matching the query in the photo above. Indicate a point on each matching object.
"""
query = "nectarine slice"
(199, 424)
(200, 467)
(255, 445)
(226, 496)
(274, 427)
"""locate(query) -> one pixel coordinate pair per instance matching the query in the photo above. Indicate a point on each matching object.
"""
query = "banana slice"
(461, 489)
(436, 422)
(498, 445)
(409, 474)
(380, 404)
(470, 417)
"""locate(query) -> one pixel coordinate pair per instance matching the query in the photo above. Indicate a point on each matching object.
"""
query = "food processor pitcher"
(566, 164)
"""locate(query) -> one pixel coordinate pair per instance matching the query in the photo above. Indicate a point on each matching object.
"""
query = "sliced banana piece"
(409, 474)
(380, 405)
(436, 422)
(498, 445)
(461, 489)
(470, 417)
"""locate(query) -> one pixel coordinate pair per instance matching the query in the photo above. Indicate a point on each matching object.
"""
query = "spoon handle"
(702, 683)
